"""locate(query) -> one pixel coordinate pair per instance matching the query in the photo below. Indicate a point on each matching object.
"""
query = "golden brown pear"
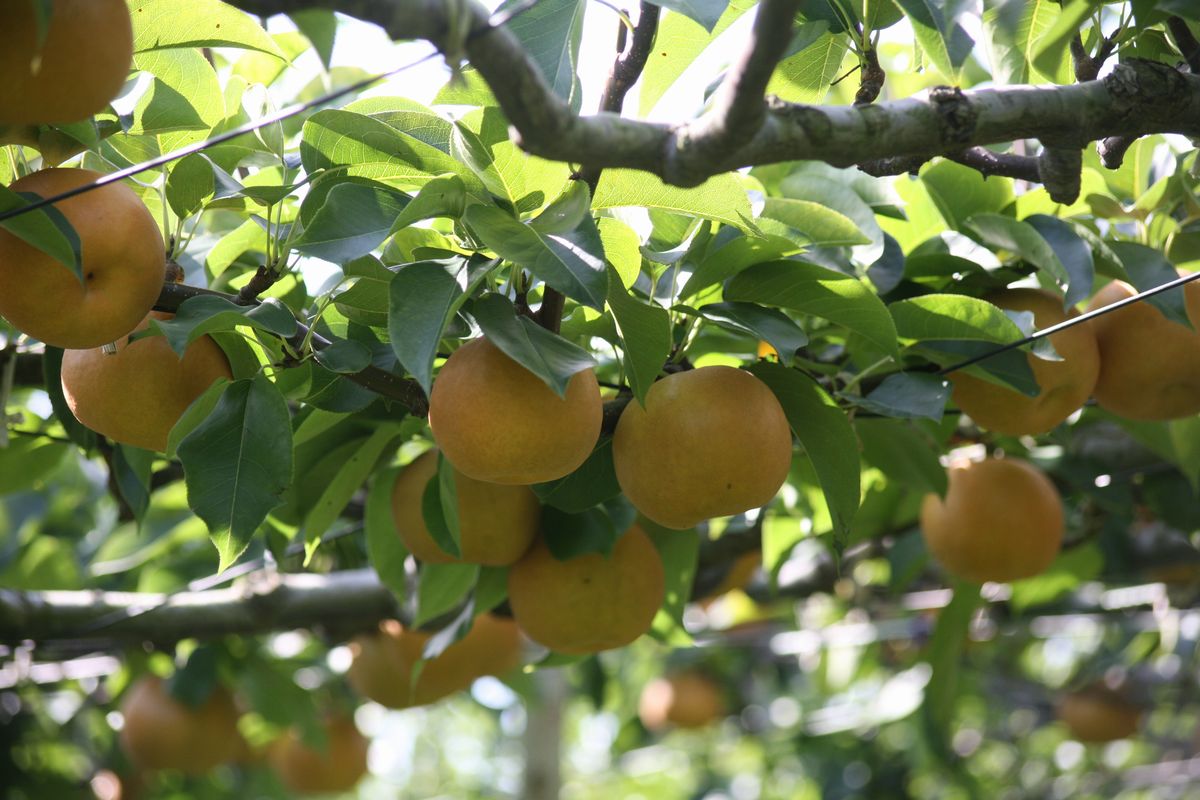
(161, 732)
(1065, 385)
(382, 664)
(123, 263)
(497, 523)
(1099, 714)
(498, 422)
(687, 699)
(588, 603)
(74, 72)
(136, 395)
(1001, 520)
(710, 442)
(1149, 365)
(337, 768)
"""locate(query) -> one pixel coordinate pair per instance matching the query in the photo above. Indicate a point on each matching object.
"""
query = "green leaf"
(571, 263)
(481, 143)
(1073, 567)
(645, 331)
(593, 530)
(423, 298)
(680, 554)
(441, 587)
(550, 34)
(902, 452)
(352, 221)
(366, 147)
(190, 183)
(680, 41)
(131, 470)
(806, 74)
(385, 548)
(831, 191)
(1148, 268)
(960, 192)
(1051, 47)
(46, 229)
(942, 40)
(238, 462)
(160, 24)
(826, 435)
(705, 12)
(952, 316)
(204, 313)
(593, 483)
(349, 477)
(774, 327)
(1010, 48)
(76, 431)
(550, 357)
(622, 249)
(438, 516)
(945, 654)
(1020, 238)
(733, 256)
(320, 28)
(722, 198)
(908, 395)
(822, 292)
(185, 94)
(345, 356)
(1072, 251)
(444, 196)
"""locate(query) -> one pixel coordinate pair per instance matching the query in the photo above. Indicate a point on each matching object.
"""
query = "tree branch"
(987, 162)
(1137, 98)
(353, 599)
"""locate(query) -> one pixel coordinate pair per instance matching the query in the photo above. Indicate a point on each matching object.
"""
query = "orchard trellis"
(743, 126)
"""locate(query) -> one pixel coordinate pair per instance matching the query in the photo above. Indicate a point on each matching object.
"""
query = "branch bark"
(1137, 98)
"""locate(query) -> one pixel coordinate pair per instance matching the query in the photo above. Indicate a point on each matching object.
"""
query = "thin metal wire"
(1079, 320)
(497, 20)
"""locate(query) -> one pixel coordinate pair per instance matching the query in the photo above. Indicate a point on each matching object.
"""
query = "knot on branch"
(956, 115)
(1059, 169)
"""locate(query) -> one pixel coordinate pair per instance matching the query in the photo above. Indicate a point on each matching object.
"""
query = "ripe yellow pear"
(336, 769)
(160, 732)
(1065, 385)
(498, 422)
(123, 261)
(497, 523)
(383, 662)
(710, 442)
(588, 603)
(685, 699)
(74, 72)
(1001, 520)
(136, 395)
(1149, 365)
(1099, 714)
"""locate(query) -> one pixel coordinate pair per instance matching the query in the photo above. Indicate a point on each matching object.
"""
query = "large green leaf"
(722, 198)
(903, 452)
(822, 292)
(819, 224)
(645, 331)
(238, 462)
(550, 357)
(162, 24)
(942, 39)
(952, 316)
(733, 256)
(1020, 238)
(1010, 47)
(423, 296)
(679, 42)
(352, 220)
(572, 263)
(45, 229)
(1147, 268)
(806, 75)
(482, 144)
(441, 587)
(826, 435)
(184, 95)
(550, 33)
(203, 314)
(1051, 48)
(346, 482)
(961, 192)
(767, 324)
(384, 546)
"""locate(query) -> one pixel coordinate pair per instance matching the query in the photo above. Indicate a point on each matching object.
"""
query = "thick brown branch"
(1137, 98)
